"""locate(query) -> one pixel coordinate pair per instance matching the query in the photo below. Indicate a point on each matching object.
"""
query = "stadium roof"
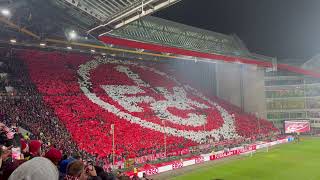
(106, 15)
(160, 31)
(55, 17)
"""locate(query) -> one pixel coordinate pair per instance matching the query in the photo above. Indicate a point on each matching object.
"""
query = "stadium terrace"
(103, 90)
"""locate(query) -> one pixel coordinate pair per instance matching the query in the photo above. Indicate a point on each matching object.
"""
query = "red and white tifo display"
(171, 108)
(298, 126)
(90, 94)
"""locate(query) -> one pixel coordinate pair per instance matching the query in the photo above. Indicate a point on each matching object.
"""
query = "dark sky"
(279, 28)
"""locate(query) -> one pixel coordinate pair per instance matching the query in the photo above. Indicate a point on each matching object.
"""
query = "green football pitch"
(291, 161)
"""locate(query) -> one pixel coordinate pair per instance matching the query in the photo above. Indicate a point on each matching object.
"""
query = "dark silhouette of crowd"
(22, 158)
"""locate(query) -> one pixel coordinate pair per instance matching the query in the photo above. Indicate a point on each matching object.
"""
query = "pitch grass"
(286, 162)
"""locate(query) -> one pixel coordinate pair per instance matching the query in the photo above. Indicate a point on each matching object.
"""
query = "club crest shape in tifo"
(154, 100)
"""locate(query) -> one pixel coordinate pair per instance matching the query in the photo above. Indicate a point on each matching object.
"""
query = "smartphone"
(16, 153)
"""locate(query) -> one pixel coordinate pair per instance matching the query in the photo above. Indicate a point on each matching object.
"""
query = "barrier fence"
(173, 165)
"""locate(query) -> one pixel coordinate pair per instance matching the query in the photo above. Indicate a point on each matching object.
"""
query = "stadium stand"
(71, 102)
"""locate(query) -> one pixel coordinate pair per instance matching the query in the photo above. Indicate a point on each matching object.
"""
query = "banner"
(153, 157)
(179, 152)
(150, 157)
(238, 151)
(224, 155)
(177, 165)
(297, 126)
(152, 171)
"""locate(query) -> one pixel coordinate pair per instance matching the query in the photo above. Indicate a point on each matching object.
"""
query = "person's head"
(76, 156)
(54, 155)
(35, 147)
(64, 157)
(36, 168)
(75, 168)
(24, 146)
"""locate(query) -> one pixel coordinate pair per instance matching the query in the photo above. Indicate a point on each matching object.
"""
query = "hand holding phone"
(16, 153)
(90, 165)
(90, 170)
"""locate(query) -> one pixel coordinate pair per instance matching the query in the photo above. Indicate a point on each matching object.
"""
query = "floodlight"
(73, 35)
(5, 12)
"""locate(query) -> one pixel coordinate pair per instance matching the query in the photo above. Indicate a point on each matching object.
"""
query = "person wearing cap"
(24, 146)
(35, 148)
(54, 155)
(25, 150)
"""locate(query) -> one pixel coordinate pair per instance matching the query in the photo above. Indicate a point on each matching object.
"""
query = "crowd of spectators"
(46, 151)
(23, 158)
(70, 157)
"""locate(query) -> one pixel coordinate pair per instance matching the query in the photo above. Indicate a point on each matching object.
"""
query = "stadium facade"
(291, 96)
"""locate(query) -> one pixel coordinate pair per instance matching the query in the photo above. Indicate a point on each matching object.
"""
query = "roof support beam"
(144, 13)
(119, 17)
(143, 9)
(14, 26)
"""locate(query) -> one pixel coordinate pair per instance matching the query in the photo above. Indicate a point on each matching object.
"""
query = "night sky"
(278, 28)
